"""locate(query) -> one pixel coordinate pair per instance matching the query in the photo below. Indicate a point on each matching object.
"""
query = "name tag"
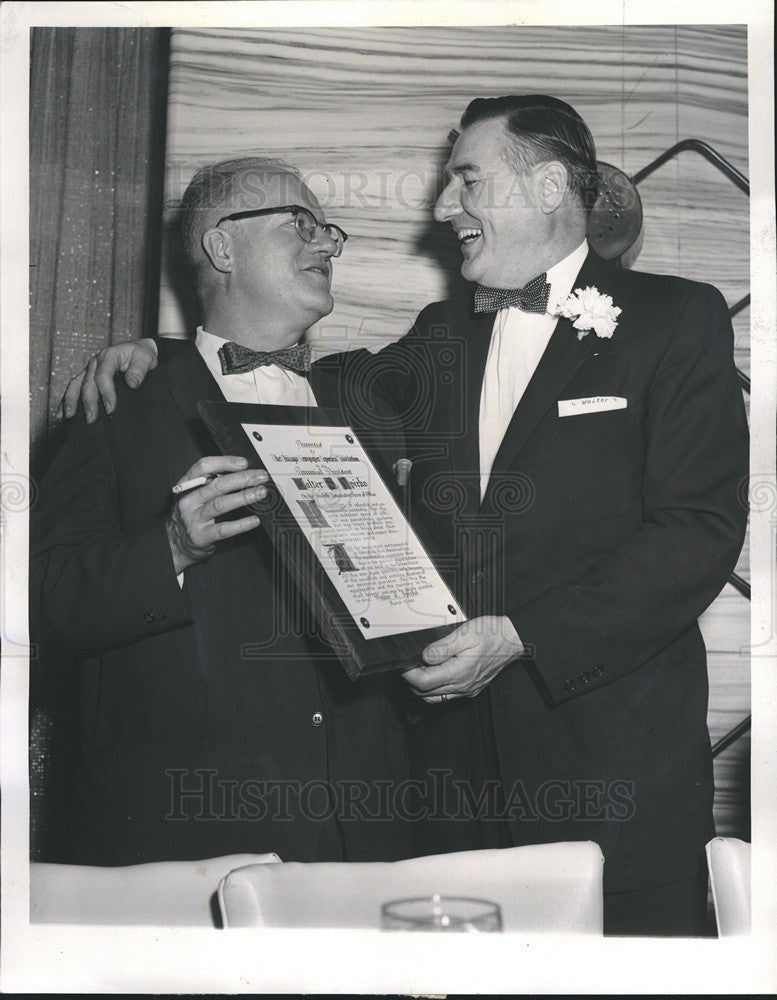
(591, 404)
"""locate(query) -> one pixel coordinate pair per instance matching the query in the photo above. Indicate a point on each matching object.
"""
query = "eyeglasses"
(305, 224)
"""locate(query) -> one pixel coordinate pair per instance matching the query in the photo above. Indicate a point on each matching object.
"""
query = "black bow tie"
(236, 359)
(533, 297)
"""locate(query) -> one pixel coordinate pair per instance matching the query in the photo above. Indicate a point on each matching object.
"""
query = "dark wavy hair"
(540, 129)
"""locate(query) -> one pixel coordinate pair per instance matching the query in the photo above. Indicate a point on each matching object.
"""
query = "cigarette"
(191, 484)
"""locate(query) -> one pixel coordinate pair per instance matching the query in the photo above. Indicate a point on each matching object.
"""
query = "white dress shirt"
(267, 384)
(518, 341)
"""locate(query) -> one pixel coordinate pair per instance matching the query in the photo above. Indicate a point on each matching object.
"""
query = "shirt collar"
(561, 277)
(208, 345)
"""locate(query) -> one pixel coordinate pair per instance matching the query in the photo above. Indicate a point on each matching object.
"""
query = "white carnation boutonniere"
(590, 309)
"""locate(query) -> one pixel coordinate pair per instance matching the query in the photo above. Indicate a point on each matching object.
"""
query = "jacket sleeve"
(645, 593)
(400, 376)
(96, 583)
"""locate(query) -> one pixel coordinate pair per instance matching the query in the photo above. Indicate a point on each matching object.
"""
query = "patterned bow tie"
(533, 297)
(236, 359)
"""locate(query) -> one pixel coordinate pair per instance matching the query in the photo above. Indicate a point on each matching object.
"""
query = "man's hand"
(466, 660)
(135, 358)
(191, 528)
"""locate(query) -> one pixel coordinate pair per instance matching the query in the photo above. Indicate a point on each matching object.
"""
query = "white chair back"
(728, 860)
(166, 892)
(544, 887)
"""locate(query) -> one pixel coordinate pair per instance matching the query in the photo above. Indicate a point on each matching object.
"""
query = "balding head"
(218, 189)
(262, 279)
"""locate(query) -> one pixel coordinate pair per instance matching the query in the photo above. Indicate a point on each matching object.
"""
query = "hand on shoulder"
(135, 358)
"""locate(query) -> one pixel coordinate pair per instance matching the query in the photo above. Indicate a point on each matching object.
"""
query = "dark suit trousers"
(453, 758)
(454, 754)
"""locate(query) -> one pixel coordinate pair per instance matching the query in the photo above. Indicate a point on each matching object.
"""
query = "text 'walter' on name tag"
(591, 404)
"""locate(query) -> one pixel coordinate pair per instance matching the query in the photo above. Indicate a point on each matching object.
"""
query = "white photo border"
(46, 958)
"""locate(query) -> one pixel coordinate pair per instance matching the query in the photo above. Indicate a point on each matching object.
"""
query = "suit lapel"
(188, 381)
(464, 410)
(326, 386)
(562, 357)
(188, 378)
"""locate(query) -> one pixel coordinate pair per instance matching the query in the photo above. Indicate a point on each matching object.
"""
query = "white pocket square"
(590, 404)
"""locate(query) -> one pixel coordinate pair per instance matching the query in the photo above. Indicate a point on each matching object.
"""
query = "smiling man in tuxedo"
(213, 719)
(599, 479)
(582, 470)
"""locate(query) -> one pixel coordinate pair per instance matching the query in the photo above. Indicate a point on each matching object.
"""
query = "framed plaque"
(341, 532)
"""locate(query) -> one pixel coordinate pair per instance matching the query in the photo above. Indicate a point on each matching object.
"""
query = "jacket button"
(317, 719)
(477, 577)
(598, 672)
(584, 678)
(149, 617)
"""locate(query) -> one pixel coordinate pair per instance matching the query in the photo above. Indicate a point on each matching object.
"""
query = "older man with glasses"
(213, 719)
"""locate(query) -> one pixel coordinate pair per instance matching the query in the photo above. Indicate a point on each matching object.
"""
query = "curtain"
(98, 101)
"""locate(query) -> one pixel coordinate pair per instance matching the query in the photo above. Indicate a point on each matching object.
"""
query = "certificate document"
(356, 528)
(341, 532)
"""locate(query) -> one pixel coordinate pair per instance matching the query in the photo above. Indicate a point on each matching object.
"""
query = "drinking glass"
(441, 913)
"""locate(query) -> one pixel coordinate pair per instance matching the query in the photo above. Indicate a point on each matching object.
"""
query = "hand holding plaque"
(377, 594)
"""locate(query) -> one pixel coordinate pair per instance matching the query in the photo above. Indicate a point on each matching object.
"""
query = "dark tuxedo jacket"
(212, 719)
(603, 536)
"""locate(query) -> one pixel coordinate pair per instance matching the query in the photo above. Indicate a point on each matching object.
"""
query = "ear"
(217, 245)
(553, 186)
